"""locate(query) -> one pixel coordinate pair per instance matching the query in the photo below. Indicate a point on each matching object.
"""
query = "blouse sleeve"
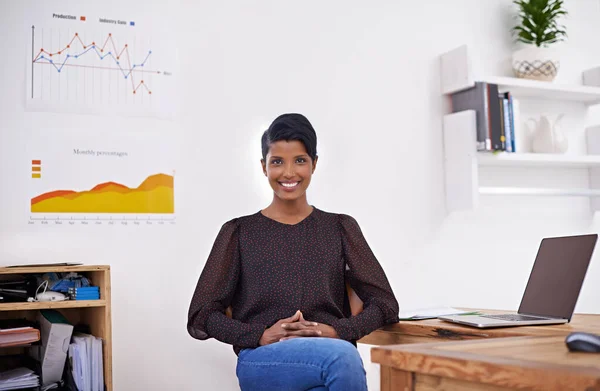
(367, 278)
(214, 292)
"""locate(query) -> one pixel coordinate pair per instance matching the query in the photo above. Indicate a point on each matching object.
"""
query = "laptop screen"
(557, 276)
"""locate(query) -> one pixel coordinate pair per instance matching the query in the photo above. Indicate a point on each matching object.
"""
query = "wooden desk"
(437, 355)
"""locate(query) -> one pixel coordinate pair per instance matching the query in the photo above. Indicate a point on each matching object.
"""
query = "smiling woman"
(289, 160)
(289, 169)
(283, 272)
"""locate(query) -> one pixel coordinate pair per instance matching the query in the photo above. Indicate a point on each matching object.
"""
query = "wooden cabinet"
(94, 313)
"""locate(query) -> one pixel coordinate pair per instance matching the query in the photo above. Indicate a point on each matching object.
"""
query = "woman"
(283, 271)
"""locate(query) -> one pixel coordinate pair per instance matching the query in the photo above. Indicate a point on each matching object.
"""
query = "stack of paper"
(18, 336)
(431, 313)
(18, 378)
(87, 366)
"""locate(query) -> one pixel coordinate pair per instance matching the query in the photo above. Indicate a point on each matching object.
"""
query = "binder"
(55, 335)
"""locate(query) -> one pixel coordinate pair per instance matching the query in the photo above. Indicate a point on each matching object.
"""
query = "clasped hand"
(294, 327)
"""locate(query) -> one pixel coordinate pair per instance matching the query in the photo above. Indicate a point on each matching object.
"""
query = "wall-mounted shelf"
(544, 90)
(505, 159)
(533, 191)
(462, 160)
(462, 163)
(457, 75)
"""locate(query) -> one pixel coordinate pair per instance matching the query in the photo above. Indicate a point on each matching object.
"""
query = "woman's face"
(289, 169)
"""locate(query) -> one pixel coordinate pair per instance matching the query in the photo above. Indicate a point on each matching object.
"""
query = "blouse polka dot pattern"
(266, 271)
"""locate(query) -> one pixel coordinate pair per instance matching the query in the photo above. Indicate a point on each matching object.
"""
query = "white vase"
(536, 63)
(547, 135)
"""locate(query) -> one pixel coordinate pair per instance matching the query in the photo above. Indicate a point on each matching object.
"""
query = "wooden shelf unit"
(53, 305)
(95, 313)
(462, 161)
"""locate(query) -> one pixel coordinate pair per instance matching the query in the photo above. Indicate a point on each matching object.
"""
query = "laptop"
(553, 287)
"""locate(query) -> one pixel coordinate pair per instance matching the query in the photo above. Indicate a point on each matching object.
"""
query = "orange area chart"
(154, 195)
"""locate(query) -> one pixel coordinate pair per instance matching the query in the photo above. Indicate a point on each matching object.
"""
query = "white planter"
(536, 63)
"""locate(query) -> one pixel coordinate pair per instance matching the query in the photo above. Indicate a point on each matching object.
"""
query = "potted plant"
(538, 29)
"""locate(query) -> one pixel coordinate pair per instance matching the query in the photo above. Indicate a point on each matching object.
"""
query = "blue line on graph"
(101, 57)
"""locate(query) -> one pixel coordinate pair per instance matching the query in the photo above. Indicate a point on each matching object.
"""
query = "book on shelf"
(509, 118)
(495, 116)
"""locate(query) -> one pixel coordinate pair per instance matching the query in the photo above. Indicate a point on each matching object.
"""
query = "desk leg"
(393, 379)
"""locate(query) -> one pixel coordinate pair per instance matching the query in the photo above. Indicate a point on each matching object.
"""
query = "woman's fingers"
(298, 325)
(286, 338)
(309, 332)
(295, 317)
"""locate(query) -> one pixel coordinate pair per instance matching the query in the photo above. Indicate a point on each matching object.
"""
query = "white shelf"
(531, 191)
(457, 75)
(537, 160)
(462, 164)
(462, 161)
(524, 88)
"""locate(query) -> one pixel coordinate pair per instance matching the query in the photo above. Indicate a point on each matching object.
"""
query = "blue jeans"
(301, 364)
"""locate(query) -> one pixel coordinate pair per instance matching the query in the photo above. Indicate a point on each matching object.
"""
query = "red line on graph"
(140, 85)
(84, 46)
(97, 67)
(107, 38)
(129, 62)
(125, 50)
(120, 54)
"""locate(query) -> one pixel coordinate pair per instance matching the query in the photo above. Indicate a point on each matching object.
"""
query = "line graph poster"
(99, 65)
(100, 180)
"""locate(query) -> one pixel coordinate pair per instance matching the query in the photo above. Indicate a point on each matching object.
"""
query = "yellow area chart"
(154, 195)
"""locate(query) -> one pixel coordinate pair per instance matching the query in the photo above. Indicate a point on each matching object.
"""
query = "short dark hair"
(291, 126)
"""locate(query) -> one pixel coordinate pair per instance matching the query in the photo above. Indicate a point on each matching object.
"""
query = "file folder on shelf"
(18, 336)
(18, 332)
(85, 355)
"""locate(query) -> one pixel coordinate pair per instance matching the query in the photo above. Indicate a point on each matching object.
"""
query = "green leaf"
(527, 23)
(526, 36)
(538, 21)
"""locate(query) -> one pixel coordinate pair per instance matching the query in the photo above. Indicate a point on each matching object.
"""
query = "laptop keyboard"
(513, 317)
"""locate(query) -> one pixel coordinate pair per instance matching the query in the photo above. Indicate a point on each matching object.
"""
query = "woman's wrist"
(328, 331)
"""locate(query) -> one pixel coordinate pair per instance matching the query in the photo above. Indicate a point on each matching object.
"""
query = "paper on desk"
(430, 313)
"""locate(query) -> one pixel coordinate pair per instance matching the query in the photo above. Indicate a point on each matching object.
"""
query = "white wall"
(367, 76)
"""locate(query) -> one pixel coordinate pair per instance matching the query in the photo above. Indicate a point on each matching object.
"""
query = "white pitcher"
(547, 136)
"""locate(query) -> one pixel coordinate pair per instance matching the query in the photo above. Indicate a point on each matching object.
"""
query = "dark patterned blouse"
(267, 270)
